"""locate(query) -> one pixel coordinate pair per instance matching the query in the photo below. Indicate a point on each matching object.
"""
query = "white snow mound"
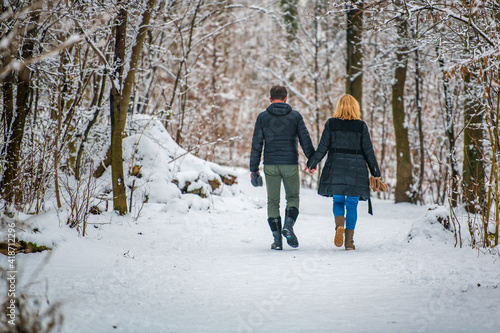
(436, 225)
(159, 171)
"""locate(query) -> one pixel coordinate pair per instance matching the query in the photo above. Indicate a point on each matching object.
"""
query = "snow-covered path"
(213, 271)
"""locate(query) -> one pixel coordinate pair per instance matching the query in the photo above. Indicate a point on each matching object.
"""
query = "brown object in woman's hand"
(378, 184)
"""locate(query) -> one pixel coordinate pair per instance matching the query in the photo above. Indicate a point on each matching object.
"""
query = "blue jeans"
(341, 203)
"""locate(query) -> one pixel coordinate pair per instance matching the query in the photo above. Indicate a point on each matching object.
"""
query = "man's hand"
(309, 170)
(256, 179)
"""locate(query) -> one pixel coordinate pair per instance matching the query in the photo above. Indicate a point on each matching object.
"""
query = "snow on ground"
(175, 270)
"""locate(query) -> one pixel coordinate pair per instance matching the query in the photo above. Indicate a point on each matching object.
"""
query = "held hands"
(309, 166)
(309, 170)
(256, 179)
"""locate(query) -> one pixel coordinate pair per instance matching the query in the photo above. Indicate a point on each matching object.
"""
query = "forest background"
(426, 73)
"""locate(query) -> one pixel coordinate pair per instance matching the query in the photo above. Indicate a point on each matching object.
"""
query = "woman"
(345, 176)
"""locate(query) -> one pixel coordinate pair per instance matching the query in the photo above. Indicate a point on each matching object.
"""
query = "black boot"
(290, 218)
(275, 224)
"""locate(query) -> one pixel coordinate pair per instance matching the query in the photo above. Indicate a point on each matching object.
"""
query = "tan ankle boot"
(349, 241)
(339, 231)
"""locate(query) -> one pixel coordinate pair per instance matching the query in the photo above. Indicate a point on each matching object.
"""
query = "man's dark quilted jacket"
(278, 129)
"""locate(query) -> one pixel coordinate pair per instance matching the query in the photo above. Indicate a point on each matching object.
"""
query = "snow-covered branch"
(17, 65)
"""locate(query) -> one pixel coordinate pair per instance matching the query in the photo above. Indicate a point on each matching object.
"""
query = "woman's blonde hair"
(347, 108)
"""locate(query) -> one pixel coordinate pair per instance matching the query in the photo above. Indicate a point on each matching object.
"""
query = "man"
(277, 129)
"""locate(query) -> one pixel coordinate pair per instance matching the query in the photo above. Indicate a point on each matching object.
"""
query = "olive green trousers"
(289, 174)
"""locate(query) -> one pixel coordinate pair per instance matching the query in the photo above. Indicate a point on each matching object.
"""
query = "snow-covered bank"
(212, 271)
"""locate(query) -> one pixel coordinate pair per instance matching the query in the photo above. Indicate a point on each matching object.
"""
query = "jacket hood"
(279, 109)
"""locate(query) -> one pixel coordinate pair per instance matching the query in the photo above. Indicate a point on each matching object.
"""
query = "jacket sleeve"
(369, 154)
(323, 147)
(257, 143)
(304, 138)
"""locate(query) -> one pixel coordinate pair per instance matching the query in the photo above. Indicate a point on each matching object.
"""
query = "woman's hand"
(378, 184)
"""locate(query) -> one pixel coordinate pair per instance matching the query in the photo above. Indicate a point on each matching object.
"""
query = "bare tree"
(115, 100)
(120, 93)
(354, 58)
(404, 178)
(17, 114)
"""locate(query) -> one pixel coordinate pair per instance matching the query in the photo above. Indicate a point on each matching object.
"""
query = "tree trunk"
(290, 20)
(495, 151)
(10, 190)
(418, 98)
(68, 105)
(118, 179)
(354, 60)
(492, 198)
(60, 107)
(9, 185)
(473, 168)
(97, 103)
(450, 135)
(178, 136)
(8, 104)
(134, 61)
(124, 96)
(404, 179)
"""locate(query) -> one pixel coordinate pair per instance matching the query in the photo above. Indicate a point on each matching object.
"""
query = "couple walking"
(344, 177)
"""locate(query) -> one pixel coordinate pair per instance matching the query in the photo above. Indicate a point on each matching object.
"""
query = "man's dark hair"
(279, 93)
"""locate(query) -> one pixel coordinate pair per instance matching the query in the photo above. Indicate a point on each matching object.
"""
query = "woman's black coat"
(350, 150)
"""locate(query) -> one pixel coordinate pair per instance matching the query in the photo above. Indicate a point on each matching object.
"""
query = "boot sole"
(339, 237)
(291, 239)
